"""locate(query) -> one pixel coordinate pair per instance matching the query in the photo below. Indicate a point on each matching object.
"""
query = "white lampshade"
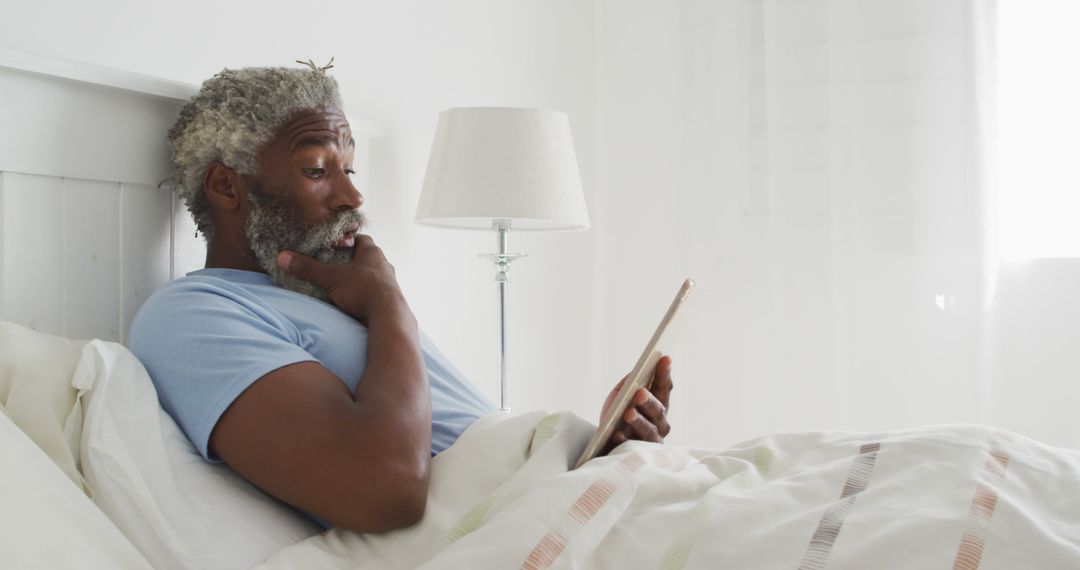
(500, 163)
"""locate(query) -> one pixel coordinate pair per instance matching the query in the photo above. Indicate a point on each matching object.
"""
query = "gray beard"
(272, 226)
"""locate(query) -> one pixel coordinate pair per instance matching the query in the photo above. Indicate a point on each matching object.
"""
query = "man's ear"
(222, 186)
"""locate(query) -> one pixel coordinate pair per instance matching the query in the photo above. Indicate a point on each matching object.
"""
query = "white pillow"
(180, 510)
(35, 388)
(45, 521)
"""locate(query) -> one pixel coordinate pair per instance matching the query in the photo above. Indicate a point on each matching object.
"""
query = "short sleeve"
(204, 342)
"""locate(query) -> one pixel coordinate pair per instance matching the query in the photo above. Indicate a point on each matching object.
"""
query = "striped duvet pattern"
(817, 554)
(969, 553)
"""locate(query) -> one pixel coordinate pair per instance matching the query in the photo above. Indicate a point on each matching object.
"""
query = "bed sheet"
(961, 496)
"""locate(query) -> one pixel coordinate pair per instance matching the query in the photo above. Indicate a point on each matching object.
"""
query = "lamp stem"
(502, 277)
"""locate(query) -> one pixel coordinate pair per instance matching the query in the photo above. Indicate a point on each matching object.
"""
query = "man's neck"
(222, 256)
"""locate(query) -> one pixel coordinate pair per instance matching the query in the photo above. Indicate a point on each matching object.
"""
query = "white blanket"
(952, 496)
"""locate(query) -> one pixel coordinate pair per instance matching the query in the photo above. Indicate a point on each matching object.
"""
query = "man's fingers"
(662, 384)
(653, 409)
(643, 428)
(304, 267)
(364, 240)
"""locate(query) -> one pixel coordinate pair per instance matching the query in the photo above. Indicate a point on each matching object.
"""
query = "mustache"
(326, 234)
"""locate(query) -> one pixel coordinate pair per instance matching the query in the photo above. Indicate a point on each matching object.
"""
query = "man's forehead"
(322, 138)
(321, 127)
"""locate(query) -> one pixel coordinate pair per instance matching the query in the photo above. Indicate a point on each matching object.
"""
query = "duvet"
(961, 497)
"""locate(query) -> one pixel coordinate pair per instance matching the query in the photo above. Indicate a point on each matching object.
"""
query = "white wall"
(399, 64)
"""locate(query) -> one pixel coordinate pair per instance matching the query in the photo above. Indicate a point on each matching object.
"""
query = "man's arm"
(359, 460)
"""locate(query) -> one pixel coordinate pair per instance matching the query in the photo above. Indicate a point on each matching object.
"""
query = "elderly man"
(293, 356)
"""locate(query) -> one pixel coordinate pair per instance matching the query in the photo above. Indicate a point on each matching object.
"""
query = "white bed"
(97, 476)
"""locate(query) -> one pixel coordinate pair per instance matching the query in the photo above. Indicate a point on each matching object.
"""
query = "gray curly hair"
(232, 117)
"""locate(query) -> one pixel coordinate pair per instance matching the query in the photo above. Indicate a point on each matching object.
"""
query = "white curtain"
(824, 169)
(864, 185)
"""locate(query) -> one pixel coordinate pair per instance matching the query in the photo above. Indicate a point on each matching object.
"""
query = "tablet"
(640, 376)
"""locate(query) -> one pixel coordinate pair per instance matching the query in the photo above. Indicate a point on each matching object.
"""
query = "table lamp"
(502, 168)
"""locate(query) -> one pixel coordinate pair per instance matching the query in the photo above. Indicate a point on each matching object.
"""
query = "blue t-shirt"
(207, 337)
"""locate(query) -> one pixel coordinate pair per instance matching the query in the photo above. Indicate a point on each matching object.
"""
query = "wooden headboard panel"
(85, 233)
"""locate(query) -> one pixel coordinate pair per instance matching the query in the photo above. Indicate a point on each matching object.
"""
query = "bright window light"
(1039, 128)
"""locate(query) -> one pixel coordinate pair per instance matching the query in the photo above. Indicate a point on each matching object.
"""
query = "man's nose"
(346, 195)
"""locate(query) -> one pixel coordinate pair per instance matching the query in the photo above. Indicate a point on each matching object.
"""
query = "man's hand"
(358, 287)
(646, 417)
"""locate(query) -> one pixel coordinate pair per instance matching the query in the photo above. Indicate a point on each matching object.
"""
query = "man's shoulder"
(198, 284)
(196, 301)
(196, 291)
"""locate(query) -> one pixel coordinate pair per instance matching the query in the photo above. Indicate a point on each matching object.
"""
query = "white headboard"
(85, 234)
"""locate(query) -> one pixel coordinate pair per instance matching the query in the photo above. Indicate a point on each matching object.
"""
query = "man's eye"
(315, 172)
(350, 171)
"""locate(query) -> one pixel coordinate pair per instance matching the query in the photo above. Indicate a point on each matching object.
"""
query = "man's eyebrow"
(319, 140)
